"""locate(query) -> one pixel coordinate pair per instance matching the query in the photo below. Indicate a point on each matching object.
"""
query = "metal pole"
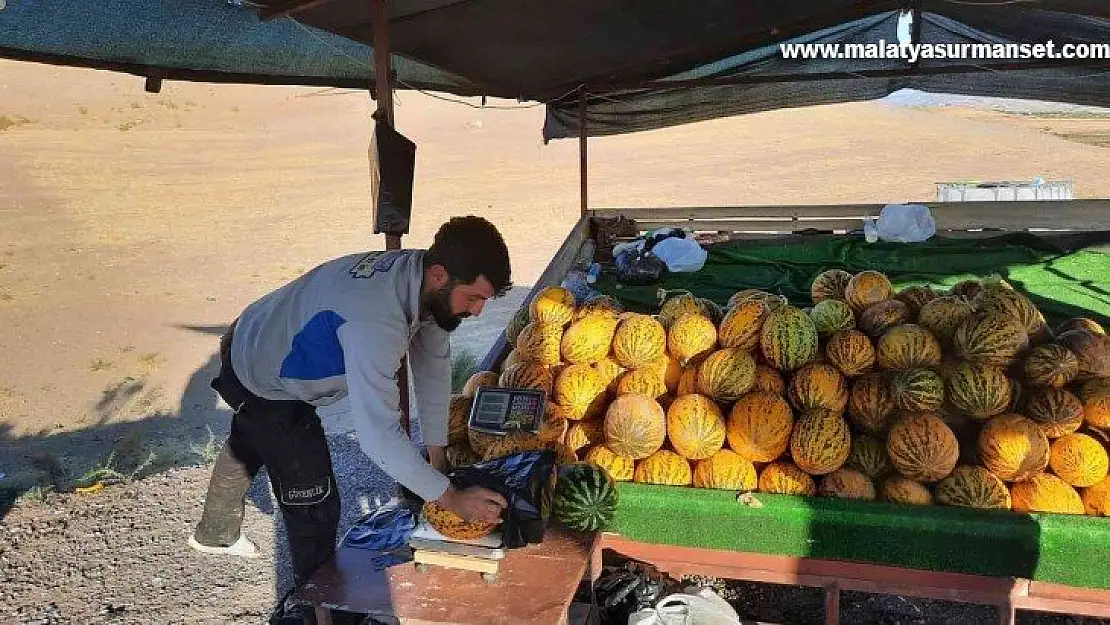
(383, 90)
(582, 177)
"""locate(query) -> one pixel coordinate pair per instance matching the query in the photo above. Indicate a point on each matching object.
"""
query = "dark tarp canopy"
(644, 63)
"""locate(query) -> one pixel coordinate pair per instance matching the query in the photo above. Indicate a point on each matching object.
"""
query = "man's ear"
(438, 276)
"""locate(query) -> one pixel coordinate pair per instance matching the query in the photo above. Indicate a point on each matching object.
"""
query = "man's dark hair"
(469, 247)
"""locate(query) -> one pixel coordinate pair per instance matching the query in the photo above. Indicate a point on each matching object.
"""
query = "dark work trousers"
(285, 437)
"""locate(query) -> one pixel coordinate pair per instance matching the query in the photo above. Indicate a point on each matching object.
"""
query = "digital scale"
(500, 411)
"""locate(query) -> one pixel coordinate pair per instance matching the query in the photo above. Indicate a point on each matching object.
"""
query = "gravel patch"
(120, 556)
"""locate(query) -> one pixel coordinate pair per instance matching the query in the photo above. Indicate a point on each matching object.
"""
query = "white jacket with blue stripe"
(341, 330)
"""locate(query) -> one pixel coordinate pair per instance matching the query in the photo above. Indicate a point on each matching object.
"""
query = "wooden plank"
(757, 225)
(1057, 214)
(454, 561)
(536, 584)
(556, 270)
(827, 211)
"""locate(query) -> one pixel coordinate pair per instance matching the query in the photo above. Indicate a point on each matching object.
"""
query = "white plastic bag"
(695, 606)
(901, 223)
(681, 255)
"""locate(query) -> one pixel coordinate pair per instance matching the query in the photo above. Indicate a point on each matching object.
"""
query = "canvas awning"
(643, 63)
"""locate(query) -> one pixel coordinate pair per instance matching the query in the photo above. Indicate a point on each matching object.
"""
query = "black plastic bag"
(526, 480)
(638, 267)
(620, 592)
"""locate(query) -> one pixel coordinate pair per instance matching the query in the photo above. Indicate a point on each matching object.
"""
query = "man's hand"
(474, 503)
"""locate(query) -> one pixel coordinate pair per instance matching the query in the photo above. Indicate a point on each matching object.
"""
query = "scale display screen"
(502, 410)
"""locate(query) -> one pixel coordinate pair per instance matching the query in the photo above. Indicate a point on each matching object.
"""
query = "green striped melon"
(540, 343)
(922, 447)
(1056, 411)
(847, 483)
(788, 339)
(868, 456)
(907, 346)
(979, 391)
(917, 390)
(916, 297)
(989, 339)
(943, 315)
(973, 487)
(759, 426)
(675, 306)
(1013, 447)
(820, 442)
(902, 490)
(829, 284)
(1091, 349)
(831, 316)
(1007, 302)
(742, 324)
(967, 289)
(517, 322)
(527, 375)
(1050, 365)
(585, 497)
(1079, 323)
(851, 352)
(881, 317)
(870, 406)
(866, 289)
(818, 386)
(726, 374)
(785, 478)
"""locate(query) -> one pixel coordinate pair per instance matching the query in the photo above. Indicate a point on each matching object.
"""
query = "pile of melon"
(963, 398)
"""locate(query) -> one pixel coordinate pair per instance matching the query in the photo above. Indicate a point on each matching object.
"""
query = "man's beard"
(438, 304)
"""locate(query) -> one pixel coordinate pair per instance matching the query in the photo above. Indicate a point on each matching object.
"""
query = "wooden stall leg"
(323, 616)
(1007, 614)
(832, 604)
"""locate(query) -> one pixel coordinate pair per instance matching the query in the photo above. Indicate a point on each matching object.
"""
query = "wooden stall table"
(1008, 594)
(536, 584)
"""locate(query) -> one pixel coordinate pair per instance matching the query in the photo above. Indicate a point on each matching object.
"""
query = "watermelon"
(585, 497)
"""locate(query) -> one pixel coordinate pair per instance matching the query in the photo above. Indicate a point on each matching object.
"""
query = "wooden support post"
(832, 604)
(383, 91)
(582, 177)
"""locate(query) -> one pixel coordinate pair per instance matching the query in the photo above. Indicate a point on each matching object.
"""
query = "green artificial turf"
(1061, 280)
(1073, 550)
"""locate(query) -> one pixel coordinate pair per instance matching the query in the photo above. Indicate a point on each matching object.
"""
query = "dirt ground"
(134, 226)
